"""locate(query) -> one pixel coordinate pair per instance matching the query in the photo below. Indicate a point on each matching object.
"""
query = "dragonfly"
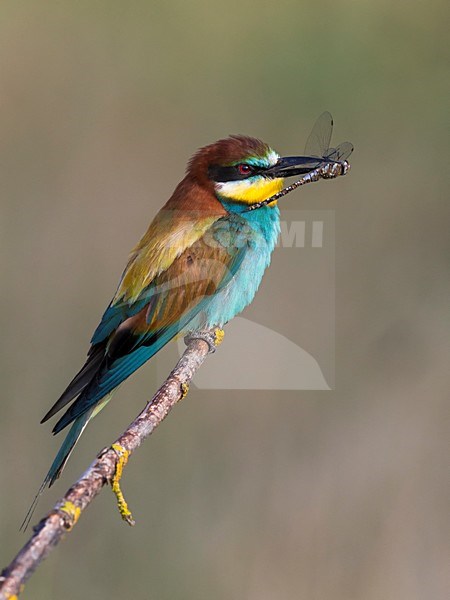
(321, 161)
(318, 142)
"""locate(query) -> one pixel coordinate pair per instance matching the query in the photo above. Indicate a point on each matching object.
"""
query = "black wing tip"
(67, 418)
(62, 401)
(59, 404)
(81, 380)
(46, 417)
(58, 427)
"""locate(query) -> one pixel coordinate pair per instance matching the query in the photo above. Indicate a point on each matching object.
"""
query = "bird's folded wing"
(166, 239)
(174, 297)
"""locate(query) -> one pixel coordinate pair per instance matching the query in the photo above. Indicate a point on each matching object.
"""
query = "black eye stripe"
(231, 173)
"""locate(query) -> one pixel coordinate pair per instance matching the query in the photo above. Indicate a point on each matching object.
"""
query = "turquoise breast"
(260, 242)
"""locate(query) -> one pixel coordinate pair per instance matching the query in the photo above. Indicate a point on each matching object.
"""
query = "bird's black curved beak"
(294, 165)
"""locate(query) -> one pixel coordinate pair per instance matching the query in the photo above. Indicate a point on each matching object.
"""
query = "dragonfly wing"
(319, 139)
(342, 152)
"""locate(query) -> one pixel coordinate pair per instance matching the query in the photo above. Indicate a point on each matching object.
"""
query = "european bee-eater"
(198, 265)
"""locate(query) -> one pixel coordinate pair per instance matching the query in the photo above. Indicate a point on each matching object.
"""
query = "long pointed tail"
(59, 463)
(64, 453)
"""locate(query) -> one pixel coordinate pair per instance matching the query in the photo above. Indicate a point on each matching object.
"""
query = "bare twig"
(51, 529)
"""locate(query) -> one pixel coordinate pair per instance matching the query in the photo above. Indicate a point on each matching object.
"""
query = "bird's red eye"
(244, 169)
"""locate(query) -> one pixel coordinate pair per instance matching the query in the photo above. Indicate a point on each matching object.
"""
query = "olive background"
(240, 494)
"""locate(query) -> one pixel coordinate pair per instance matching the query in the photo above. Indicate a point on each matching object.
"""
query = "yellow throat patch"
(248, 191)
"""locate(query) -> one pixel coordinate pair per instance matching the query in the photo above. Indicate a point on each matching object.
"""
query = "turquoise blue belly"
(265, 224)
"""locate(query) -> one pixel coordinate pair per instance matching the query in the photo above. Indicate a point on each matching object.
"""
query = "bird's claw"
(213, 337)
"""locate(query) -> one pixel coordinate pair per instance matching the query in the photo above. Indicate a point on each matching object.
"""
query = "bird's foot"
(213, 337)
(122, 505)
(219, 335)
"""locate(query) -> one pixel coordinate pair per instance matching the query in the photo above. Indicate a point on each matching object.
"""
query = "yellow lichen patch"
(73, 511)
(184, 390)
(250, 191)
(122, 505)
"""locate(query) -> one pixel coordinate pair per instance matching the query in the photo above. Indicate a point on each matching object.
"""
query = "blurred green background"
(255, 495)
